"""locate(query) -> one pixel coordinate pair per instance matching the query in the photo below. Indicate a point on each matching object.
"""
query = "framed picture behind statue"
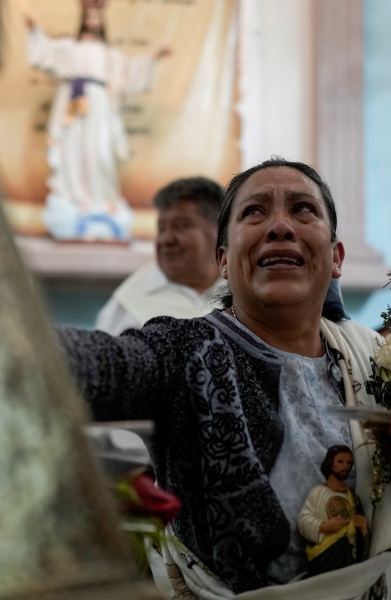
(181, 123)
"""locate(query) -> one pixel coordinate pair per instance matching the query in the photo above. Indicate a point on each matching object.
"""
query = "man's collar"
(157, 280)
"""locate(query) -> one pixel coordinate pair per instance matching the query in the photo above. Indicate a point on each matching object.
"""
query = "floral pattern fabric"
(212, 388)
(306, 391)
(217, 433)
(234, 477)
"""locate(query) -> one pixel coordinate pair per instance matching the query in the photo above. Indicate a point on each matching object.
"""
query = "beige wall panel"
(185, 126)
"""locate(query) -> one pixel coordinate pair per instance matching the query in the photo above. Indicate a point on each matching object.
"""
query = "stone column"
(275, 67)
(339, 131)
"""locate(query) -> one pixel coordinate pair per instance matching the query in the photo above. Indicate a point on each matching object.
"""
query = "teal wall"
(366, 308)
(73, 306)
(79, 308)
(377, 71)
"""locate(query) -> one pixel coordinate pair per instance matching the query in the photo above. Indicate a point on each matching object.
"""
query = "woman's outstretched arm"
(121, 378)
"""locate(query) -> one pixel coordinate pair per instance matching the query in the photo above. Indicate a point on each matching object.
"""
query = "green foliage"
(136, 539)
(386, 316)
(141, 528)
(126, 493)
(381, 386)
(381, 472)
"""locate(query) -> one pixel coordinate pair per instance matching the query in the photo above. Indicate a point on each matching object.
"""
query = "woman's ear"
(338, 257)
(222, 260)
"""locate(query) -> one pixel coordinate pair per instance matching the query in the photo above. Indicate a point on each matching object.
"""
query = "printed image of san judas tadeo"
(332, 518)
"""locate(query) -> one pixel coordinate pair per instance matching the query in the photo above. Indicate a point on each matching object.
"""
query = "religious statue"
(332, 518)
(86, 136)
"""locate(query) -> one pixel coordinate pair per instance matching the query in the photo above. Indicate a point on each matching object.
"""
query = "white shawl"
(180, 575)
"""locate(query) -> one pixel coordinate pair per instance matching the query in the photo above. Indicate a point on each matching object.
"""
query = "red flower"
(147, 499)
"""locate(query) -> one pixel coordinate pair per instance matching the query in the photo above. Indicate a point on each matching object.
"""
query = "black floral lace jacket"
(214, 401)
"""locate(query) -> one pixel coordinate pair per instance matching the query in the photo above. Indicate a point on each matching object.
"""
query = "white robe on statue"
(85, 200)
(314, 513)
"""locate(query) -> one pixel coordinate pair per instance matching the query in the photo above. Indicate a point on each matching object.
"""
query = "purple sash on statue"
(78, 83)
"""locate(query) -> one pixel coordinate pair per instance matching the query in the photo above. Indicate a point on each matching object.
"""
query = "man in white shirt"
(186, 271)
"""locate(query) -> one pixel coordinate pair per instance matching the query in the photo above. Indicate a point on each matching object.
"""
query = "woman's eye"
(304, 207)
(251, 210)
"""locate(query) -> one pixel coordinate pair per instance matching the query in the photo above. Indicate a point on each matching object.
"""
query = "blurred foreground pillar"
(58, 530)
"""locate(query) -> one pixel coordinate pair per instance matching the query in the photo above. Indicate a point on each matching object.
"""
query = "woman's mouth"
(288, 258)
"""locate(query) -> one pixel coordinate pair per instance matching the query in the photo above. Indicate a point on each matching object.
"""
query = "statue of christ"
(86, 136)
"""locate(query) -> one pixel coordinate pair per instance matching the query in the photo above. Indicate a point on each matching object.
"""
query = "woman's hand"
(360, 523)
(333, 525)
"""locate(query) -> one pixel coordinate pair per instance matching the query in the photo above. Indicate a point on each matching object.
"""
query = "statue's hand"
(361, 523)
(332, 525)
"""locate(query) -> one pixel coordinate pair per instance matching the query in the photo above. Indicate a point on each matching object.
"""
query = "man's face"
(279, 250)
(342, 465)
(185, 245)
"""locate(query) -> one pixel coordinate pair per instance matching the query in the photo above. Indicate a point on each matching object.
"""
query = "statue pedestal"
(49, 259)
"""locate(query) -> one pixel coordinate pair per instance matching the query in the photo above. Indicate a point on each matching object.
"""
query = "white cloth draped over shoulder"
(178, 573)
(148, 293)
(85, 198)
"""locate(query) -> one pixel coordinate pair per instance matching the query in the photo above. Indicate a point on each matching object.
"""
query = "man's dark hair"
(204, 192)
(327, 465)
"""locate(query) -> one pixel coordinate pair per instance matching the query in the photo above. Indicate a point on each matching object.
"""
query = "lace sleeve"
(120, 377)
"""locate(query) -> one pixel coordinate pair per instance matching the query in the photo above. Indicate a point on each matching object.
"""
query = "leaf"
(201, 405)
(213, 473)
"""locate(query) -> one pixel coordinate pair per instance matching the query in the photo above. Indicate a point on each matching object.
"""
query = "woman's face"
(279, 249)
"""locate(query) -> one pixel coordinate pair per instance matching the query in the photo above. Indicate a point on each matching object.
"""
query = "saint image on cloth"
(332, 518)
(86, 136)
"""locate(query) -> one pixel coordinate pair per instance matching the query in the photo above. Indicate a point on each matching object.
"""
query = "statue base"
(66, 221)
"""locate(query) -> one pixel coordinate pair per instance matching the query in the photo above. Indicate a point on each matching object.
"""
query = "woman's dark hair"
(235, 183)
(83, 29)
(275, 161)
(327, 465)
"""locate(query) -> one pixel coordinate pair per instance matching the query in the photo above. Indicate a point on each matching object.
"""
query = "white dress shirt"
(148, 293)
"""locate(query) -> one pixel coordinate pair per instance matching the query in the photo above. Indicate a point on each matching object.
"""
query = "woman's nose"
(280, 229)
